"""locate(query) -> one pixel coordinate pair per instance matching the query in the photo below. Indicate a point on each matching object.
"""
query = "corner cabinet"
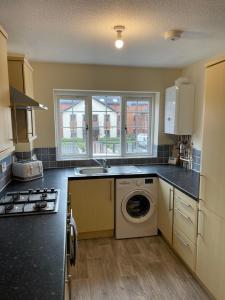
(6, 144)
(165, 210)
(179, 107)
(21, 78)
(92, 201)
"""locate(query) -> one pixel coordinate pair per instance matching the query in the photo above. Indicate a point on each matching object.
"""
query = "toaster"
(27, 170)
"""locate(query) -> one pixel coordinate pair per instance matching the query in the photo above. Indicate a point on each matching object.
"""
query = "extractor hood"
(22, 101)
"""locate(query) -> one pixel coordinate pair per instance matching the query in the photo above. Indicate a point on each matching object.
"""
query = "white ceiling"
(81, 31)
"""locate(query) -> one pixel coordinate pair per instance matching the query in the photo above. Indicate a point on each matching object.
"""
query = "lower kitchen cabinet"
(185, 228)
(185, 248)
(165, 210)
(210, 267)
(92, 201)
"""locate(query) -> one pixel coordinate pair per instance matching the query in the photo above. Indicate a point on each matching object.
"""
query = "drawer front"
(184, 248)
(185, 203)
(185, 223)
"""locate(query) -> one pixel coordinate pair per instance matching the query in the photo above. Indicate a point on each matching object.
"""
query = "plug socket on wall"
(3, 167)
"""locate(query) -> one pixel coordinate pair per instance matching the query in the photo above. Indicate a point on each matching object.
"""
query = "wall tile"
(5, 177)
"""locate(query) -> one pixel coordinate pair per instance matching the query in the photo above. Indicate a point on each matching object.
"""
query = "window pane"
(138, 115)
(72, 127)
(106, 125)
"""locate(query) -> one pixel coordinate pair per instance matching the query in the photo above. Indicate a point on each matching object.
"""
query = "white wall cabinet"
(6, 144)
(165, 210)
(179, 106)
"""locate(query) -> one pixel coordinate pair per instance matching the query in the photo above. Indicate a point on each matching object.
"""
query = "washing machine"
(136, 207)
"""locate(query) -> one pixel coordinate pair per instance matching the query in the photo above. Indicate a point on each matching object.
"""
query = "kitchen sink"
(91, 170)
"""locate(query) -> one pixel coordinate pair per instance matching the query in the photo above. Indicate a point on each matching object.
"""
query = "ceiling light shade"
(173, 35)
(119, 41)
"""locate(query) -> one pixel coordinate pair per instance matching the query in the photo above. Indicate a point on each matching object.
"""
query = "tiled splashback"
(48, 157)
(6, 176)
(196, 159)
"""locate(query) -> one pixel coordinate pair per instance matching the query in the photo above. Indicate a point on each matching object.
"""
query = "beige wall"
(49, 76)
(196, 74)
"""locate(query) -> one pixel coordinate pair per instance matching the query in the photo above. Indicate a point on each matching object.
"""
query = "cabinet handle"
(199, 233)
(182, 241)
(183, 215)
(170, 198)
(184, 203)
(69, 277)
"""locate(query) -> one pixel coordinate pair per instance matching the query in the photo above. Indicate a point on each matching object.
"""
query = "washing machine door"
(137, 207)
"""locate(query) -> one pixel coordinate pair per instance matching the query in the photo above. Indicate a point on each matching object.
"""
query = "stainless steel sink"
(91, 170)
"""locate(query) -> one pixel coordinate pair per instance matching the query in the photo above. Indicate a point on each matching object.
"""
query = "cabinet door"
(210, 267)
(165, 212)
(170, 110)
(5, 112)
(213, 160)
(93, 204)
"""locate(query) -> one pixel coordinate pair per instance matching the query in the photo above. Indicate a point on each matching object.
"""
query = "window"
(72, 127)
(104, 124)
(108, 140)
(138, 113)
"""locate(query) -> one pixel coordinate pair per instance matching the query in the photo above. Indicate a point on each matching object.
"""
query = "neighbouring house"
(104, 120)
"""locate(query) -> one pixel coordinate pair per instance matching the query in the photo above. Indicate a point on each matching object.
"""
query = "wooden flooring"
(136, 269)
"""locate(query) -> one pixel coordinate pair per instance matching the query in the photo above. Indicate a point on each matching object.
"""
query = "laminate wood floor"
(132, 269)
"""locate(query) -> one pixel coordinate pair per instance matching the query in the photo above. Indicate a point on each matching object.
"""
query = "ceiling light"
(119, 42)
(173, 35)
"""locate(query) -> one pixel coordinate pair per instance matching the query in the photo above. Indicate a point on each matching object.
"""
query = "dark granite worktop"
(185, 180)
(32, 248)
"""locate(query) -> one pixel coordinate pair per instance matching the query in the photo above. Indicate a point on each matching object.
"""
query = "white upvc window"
(92, 124)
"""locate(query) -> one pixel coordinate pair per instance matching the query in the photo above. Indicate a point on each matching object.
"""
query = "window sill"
(107, 158)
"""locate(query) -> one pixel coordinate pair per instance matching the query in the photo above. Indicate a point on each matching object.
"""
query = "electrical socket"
(3, 167)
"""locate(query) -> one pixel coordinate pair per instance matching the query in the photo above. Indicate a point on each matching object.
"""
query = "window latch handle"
(86, 127)
(125, 129)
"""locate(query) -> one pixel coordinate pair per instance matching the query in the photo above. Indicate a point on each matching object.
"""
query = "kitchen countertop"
(32, 248)
(185, 180)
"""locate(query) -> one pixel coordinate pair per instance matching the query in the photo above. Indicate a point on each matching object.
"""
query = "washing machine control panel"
(148, 181)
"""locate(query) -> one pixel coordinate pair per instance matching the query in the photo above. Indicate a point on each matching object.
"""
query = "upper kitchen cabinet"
(21, 74)
(6, 144)
(212, 189)
(21, 78)
(179, 105)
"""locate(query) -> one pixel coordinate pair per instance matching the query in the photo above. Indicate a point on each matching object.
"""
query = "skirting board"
(95, 234)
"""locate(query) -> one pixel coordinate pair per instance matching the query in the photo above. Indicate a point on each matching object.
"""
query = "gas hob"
(39, 201)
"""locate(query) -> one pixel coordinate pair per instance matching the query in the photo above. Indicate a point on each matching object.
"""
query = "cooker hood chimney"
(22, 101)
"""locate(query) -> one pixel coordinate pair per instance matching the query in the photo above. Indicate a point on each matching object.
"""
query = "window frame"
(87, 96)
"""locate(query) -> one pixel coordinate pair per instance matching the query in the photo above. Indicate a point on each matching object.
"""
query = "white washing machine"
(136, 207)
